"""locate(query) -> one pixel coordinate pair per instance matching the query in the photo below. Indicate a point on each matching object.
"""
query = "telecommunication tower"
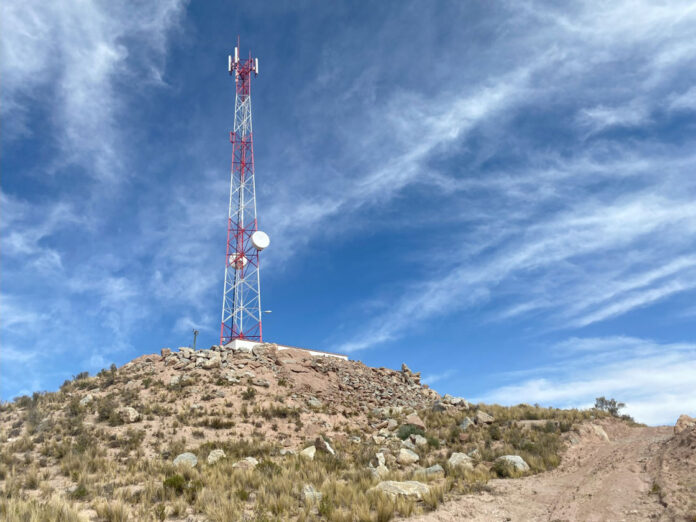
(241, 298)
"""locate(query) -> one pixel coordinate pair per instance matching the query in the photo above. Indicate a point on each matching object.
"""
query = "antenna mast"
(241, 298)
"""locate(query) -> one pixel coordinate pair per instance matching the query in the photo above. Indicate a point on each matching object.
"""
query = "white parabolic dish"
(260, 240)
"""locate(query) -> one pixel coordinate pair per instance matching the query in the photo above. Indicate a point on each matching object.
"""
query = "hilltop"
(265, 434)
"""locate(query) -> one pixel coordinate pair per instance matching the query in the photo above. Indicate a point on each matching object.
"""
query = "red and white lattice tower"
(241, 298)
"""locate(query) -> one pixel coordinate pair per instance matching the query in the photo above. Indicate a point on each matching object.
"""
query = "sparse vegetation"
(123, 469)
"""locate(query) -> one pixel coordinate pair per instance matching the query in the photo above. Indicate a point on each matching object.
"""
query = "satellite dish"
(260, 240)
(237, 260)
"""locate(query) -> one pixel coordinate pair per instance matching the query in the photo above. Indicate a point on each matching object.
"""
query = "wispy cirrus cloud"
(654, 379)
(71, 61)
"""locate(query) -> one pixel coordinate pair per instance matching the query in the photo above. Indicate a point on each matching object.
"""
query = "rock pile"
(321, 380)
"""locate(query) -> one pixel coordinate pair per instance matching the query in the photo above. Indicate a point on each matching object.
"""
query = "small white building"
(246, 346)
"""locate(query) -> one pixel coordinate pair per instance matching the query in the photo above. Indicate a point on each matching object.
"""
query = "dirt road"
(598, 480)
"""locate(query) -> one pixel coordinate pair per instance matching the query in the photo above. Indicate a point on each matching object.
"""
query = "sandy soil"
(597, 480)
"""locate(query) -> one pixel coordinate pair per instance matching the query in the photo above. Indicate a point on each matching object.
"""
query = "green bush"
(176, 483)
(406, 430)
(249, 394)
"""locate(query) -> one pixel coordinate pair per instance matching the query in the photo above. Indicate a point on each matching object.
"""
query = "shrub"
(80, 492)
(269, 468)
(175, 483)
(249, 393)
(609, 405)
(406, 430)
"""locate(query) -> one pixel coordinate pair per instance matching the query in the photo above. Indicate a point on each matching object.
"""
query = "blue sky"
(501, 195)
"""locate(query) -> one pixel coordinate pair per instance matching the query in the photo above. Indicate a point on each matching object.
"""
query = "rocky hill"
(265, 435)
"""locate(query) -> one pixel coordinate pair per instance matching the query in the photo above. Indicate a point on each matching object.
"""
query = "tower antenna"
(241, 298)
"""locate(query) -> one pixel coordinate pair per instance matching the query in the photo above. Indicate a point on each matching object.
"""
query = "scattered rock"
(419, 440)
(438, 407)
(599, 431)
(84, 401)
(186, 459)
(408, 443)
(261, 382)
(406, 457)
(247, 463)
(378, 439)
(128, 414)
(433, 471)
(313, 402)
(461, 460)
(684, 422)
(311, 495)
(482, 417)
(324, 446)
(213, 362)
(392, 424)
(415, 420)
(174, 380)
(380, 471)
(215, 455)
(455, 401)
(464, 425)
(515, 461)
(411, 489)
(287, 451)
(308, 452)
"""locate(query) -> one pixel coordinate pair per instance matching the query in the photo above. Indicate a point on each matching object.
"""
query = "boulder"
(247, 463)
(287, 451)
(313, 402)
(310, 494)
(128, 414)
(324, 446)
(415, 420)
(406, 457)
(187, 459)
(380, 471)
(165, 351)
(410, 489)
(308, 452)
(515, 461)
(438, 407)
(684, 422)
(461, 460)
(215, 455)
(419, 440)
(408, 443)
(482, 417)
(464, 425)
(433, 471)
(174, 380)
(455, 401)
(392, 424)
(84, 401)
(212, 362)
